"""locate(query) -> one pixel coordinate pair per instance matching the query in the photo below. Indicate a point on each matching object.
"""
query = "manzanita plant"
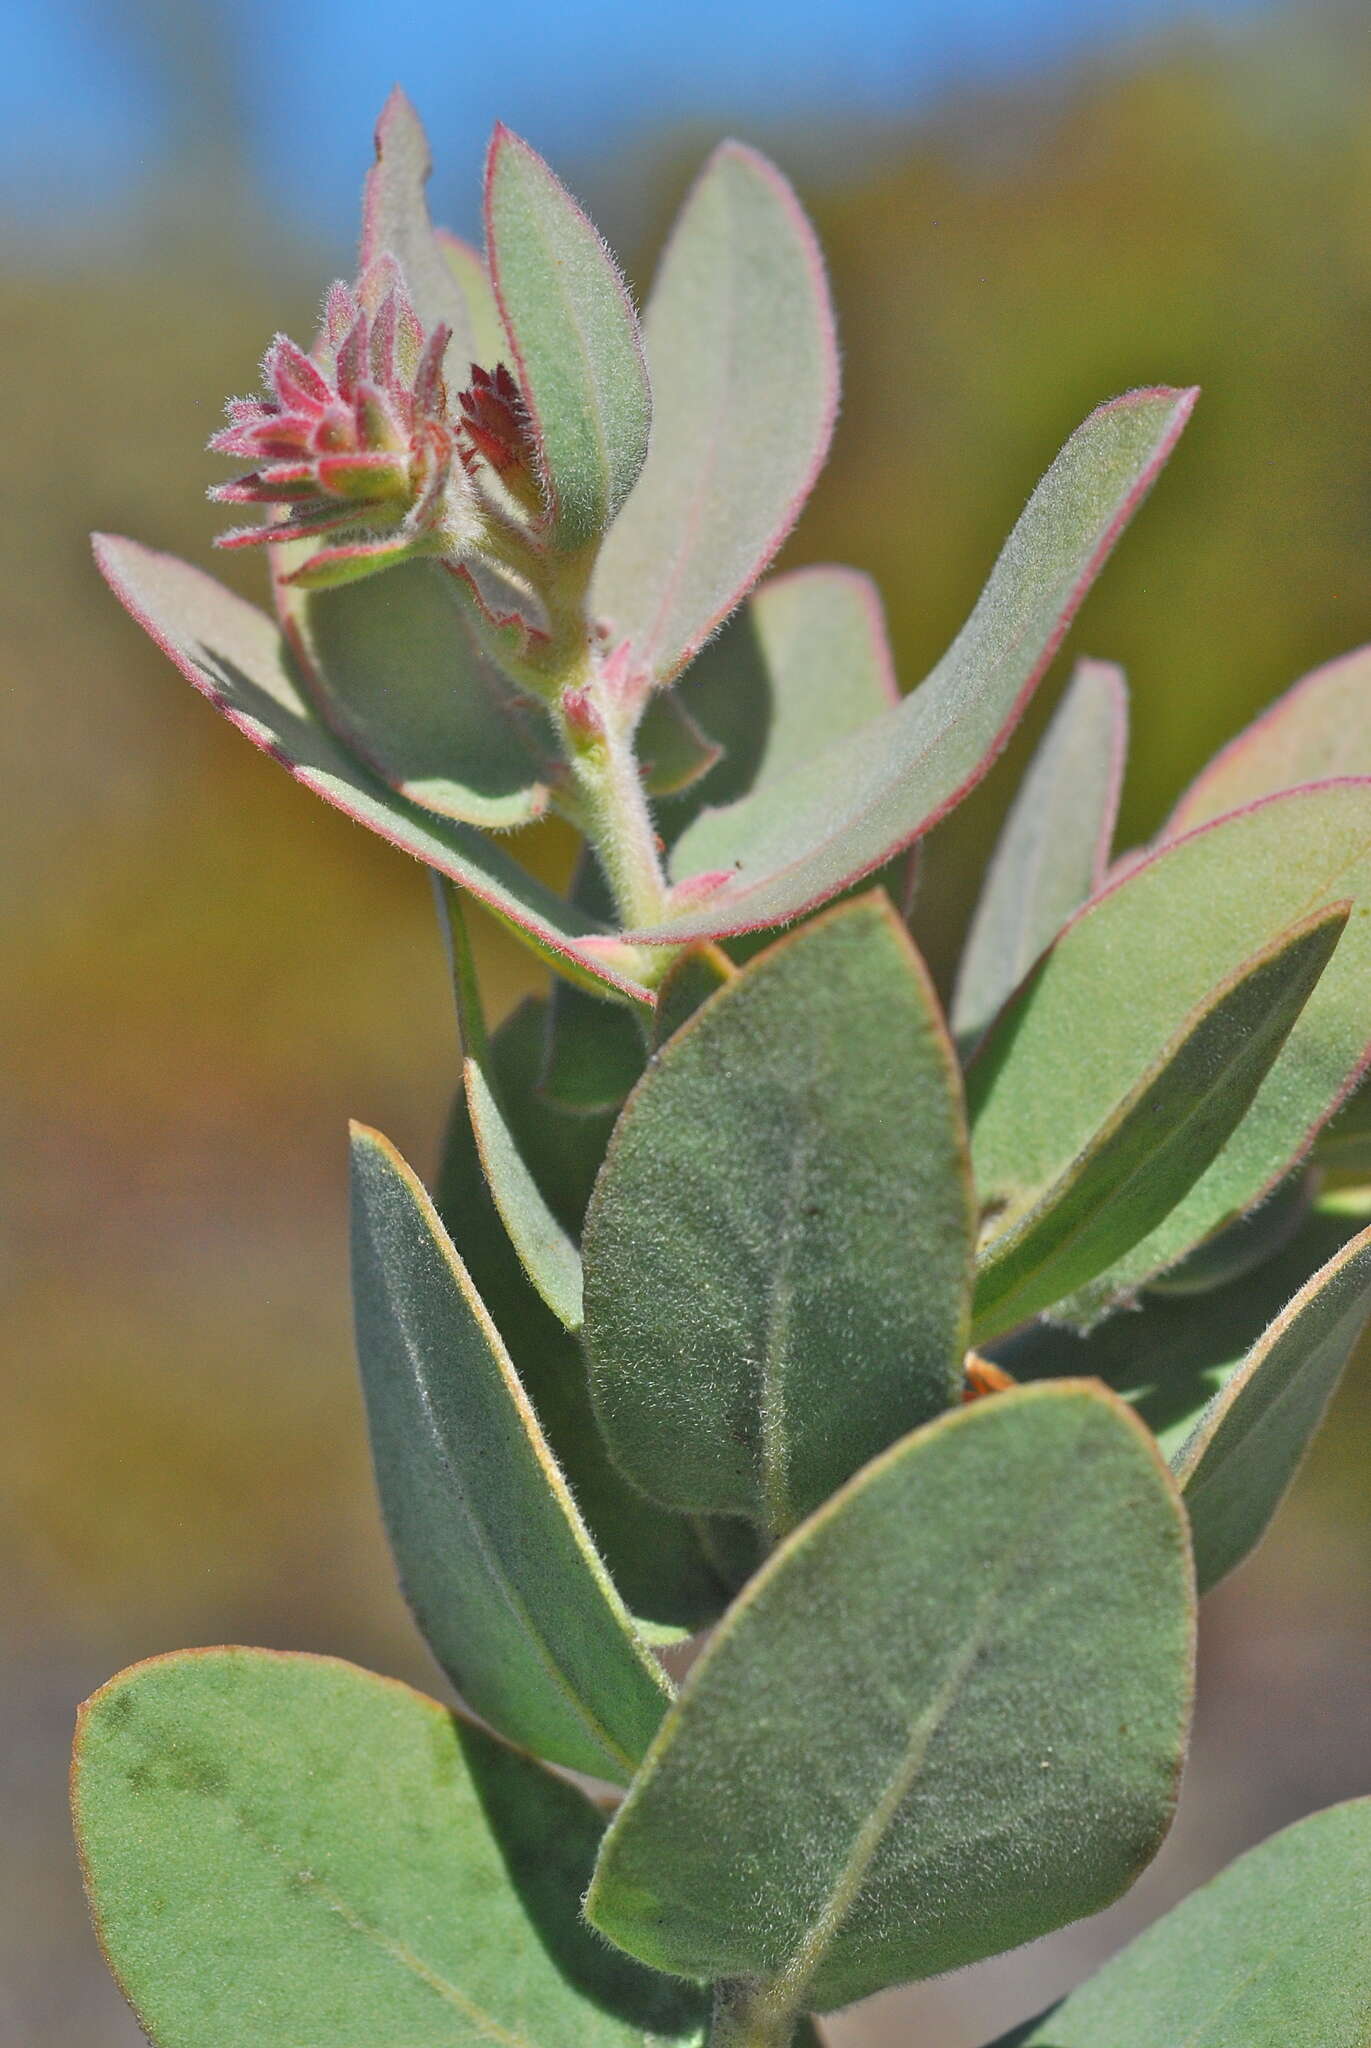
(681, 1342)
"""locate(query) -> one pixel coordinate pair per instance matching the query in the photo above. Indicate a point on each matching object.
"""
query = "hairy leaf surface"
(894, 1807)
(741, 347)
(495, 1559)
(847, 809)
(285, 1849)
(777, 1251)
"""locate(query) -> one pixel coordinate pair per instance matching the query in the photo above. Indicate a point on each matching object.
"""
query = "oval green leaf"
(285, 1849)
(1053, 851)
(494, 1557)
(1118, 984)
(1275, 1952)
(743, 355)
(1250, 1440)
(886, 1810)
(574, 338)
(844, 811)
(1154, 1145)
(233, 654)
(777, 1252)
(805, 663)
(396, 670)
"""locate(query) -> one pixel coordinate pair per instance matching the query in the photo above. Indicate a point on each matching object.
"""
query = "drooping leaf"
(395, 222)
(545, 1251)
(891, 1808)
(1275, 1952)
(1116, 986)
(1319, 729)
(573, 337)
(1154, 1144)
(496, 1562)
(1171, 1355)
(777, 1251)
(657, 1559)
(394, 667)
(1053, 851)
(1248, 1444)
(845, 810)
(285, 1849)
(804, 663)
(741, 347)
(233, 655)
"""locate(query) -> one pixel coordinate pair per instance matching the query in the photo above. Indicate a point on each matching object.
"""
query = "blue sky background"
(95, 94)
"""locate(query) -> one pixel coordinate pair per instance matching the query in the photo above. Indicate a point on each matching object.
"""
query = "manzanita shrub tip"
(923, 1367)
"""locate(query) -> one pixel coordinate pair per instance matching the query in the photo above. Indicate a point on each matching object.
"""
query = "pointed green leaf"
(1173, 1354)
(656, 1558)
(1154, 1144)
(396, 670)
(1053, 851)
(495, 1560)
(805, 663)
(744, 364)
(887, 1809)
(777, 1251)
(1320, 728)
(1120, 981)
(845, 810)
(1248, 1444)
(233, 655)
(395, 222)
(693, 977)
(546, 1253)
(1245, 1244)
(1275, 1952)
(574, 339)
(285, 1849)
(1344, 1143)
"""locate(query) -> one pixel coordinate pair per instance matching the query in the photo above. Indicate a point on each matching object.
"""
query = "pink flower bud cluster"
(354, 440)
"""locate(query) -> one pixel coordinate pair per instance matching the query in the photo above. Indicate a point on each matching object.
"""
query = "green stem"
(614, 808)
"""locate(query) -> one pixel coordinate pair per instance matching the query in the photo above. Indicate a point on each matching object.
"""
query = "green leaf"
(1118, 984)
(692, 978)
(574, 339)
(1053, 851)
(1275, 1952)
(673, 750)
(495, 1560)
(233, 655)
(1154, 1144)
(1319, 729)
(395, 222)
(1173, 1354)
(848, 808)
(285, 1849)
(805, 663)
(741, 347)
(546, 1253)
(985, 1746)
(656, 1559)
(1244, 1244)
(468, 267)
(777, 1251)
(594, 1048)
(1344, 1143)
(396, 670)
(1248, 1444)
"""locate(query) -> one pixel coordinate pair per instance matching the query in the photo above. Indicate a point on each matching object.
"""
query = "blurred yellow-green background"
(208, 972)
